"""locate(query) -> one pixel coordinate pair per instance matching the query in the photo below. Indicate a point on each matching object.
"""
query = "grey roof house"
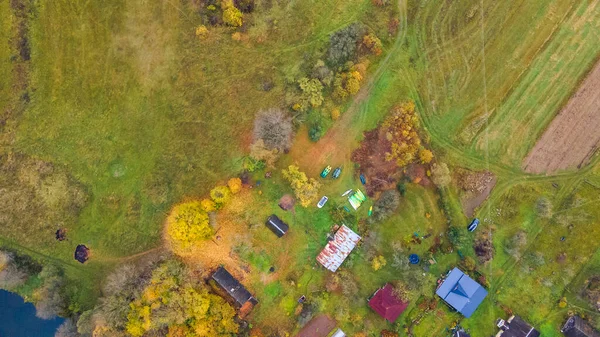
(516, 327)
(233, 287)
(577, 327)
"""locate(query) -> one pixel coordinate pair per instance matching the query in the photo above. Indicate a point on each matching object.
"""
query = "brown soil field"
(573, 136)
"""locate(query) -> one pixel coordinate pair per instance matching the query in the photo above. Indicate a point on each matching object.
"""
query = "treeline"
(157, 297)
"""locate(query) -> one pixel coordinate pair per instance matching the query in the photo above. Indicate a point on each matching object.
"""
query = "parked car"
(336, 172)
(473, 225)
(325, 171)
(322, 202)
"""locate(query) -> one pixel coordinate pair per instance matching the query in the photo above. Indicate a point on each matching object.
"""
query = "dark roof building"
(461, 292)
(577, 327)
(233, 287)
(277, 226)
(386, 304)
(515, 327)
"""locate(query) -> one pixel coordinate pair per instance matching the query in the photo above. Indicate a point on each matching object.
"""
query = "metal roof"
(338, 333)
(276, 225)
(233, 287)
(338, 249)
(461, 292)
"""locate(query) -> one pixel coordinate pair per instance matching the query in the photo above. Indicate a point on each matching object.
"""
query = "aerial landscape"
(300, 168)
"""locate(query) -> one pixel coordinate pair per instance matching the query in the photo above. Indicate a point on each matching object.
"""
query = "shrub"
(235, 185)
(231, 15)
(201, 31)
(343, 43)
(274, 128)
(208, 205)
(335, 114)
(187, 225)
(315, 132)
(378, 262)
(220, 194)
(513, 245)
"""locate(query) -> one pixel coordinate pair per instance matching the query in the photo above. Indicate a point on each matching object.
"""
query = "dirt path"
(335, 147)
(573, 135)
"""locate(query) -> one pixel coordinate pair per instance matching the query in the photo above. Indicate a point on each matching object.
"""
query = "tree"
(220, 194)
(400, 128)
(208, 205)
(274, 128)
(372, 43)
(187, 225)
(386, 205)
(67, 329)
(440, 174)
(231, 15)
(49, 300)
(10, 275)
(305, 189)
(343, 43)
(260, 152)
(235, 185)
(425, 156)
(173, 301)
(312, 92)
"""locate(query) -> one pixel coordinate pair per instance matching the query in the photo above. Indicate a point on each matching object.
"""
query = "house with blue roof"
(461, 292)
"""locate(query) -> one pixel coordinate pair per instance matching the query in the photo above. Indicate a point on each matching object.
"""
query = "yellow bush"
(425, 156)
(220, 194)
(235, 185)
(378, 262)
(208, 205)
(202, 31)
(335, 114)
(232, 16)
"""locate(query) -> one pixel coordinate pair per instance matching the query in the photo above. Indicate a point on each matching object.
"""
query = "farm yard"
(124, 115)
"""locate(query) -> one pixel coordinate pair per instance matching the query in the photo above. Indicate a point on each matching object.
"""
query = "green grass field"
(137, 112)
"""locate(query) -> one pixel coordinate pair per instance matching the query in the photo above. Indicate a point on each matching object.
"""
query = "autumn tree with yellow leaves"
(187, 225)
(306, 189)
(400, 128)
(174, 301)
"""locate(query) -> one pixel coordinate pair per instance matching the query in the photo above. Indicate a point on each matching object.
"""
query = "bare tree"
(50, 301)
(67, 329)
(274, 127)
(10, 275)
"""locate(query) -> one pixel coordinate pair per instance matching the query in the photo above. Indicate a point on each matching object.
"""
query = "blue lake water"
(17, 318)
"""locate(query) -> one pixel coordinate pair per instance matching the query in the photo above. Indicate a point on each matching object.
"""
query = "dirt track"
(573, 136)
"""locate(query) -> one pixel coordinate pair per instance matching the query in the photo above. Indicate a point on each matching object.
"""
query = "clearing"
(572, 138)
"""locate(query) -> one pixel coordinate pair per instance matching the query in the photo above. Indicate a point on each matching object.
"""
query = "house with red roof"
(386, 303)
